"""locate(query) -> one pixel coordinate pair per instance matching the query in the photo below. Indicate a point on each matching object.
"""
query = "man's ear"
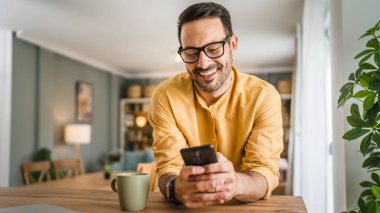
(234, 43)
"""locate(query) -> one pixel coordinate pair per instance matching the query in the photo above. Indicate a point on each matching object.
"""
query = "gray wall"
(43, 101)
(357, 17)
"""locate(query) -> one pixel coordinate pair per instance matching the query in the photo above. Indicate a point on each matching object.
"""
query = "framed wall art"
(84, 102)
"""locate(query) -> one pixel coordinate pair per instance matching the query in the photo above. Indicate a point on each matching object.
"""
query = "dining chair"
(40, 169)
(65, 168)
(149, 168)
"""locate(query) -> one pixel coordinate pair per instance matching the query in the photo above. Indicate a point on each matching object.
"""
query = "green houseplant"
(43, 154)
(364, 87)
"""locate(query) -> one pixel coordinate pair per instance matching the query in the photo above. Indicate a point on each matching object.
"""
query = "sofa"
(130, 159)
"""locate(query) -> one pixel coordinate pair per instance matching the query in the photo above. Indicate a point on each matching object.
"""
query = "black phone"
(199, 155)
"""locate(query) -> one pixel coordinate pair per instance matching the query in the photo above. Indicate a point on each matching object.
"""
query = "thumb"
(221, 157)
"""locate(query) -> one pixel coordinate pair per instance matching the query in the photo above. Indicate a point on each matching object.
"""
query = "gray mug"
(132, 189)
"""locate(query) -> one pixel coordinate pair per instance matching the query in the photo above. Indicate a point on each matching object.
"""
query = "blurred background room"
(76, 78)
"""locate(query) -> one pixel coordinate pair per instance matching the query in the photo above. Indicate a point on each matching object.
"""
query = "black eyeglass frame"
(202, 49)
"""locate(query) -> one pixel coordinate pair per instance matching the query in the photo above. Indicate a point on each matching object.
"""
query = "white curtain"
(311, 171)
(5, 103)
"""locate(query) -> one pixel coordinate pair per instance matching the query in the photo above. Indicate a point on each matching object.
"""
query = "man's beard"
(221, 76)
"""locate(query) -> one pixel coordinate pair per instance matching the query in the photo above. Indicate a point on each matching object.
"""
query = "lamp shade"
(78, 133)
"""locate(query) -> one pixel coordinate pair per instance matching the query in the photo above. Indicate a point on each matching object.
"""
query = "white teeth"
(208, 72)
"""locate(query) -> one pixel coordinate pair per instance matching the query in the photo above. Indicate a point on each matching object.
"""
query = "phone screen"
(199, 155)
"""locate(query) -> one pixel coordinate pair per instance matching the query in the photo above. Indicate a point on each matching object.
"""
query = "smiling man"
(213, 103)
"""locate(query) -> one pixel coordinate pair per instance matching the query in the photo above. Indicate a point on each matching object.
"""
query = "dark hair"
(203, 10)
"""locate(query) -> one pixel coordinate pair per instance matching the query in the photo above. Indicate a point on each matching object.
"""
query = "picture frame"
(84, 102)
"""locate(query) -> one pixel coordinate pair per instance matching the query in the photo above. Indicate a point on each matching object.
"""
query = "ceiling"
(139, 37)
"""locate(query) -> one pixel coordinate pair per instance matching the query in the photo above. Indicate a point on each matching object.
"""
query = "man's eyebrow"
(192, 47)
(201, 46)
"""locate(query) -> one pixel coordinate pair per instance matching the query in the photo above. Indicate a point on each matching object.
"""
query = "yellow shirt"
(245, 124)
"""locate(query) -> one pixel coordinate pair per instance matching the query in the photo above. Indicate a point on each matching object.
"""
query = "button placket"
(214, 132)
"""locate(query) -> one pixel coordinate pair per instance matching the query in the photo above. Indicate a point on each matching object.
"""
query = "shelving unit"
(133, 113)
(287, 104)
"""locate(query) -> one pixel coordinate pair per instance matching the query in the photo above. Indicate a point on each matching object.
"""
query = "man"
(215, 104)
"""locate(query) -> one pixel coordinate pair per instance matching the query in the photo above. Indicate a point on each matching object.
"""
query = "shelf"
(130, 108)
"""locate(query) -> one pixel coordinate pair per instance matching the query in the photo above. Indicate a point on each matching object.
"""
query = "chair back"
(80, 166)
(65, 168)
(149, 168)
(31, 170)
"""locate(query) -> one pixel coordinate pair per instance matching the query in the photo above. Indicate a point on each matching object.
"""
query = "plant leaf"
(370, 149)
(366, 193)
(376, 139)
(371, 206)
(355, 133)
(351, 77)
(355, 111)
(364, 145)
(375, 177)
(368, 33)
(362, 93)
(365, 80)
(346, 93)
(376, 58)
(342, 98)
(376, 191)
(356, 121)
(358, 72)
(362, 205)
(371, 114)
(346, 87)
(366, 184)
(365, 58)
(378, 116)
(370, 162)
(368, 66)
(369, 101)
(364, 52)
(373, 43)
(375, 84)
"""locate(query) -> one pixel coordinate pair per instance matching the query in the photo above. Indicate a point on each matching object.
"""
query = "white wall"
(5, 103)
(357, 17)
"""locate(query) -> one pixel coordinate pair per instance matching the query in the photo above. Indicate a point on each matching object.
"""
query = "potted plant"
(107, 171)
(364, 86)
(43, 154)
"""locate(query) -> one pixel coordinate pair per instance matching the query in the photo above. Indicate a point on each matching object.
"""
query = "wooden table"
(87, 181)
(91, 200)
(91, 193)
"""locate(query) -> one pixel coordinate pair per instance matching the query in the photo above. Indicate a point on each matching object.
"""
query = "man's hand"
(217, 183)
(214, 183)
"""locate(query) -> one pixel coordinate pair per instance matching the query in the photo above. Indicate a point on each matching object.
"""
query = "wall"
(5, 103)
(43, 101)
(357, 17)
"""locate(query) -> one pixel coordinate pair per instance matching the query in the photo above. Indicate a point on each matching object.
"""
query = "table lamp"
(78, 134)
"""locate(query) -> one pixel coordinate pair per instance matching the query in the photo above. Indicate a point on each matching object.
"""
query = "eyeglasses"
(212, 50)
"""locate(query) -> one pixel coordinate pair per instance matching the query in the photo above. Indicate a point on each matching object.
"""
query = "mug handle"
(113, 186)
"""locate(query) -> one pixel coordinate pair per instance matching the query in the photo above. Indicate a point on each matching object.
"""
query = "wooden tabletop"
(87, 181)
(91, 200)
(92, 193)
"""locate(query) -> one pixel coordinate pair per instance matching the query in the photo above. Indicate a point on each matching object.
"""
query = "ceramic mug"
(132, 189)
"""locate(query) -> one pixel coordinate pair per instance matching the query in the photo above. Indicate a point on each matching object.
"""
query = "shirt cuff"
(272, 179)
(171, 170)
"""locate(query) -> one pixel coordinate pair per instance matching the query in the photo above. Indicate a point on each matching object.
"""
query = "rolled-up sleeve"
(168, 139)
(265, 142)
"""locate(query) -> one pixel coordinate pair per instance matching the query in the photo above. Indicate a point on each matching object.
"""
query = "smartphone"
(199, 155)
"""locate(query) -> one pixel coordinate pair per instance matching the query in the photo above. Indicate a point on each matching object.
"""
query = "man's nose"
(204, 61)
